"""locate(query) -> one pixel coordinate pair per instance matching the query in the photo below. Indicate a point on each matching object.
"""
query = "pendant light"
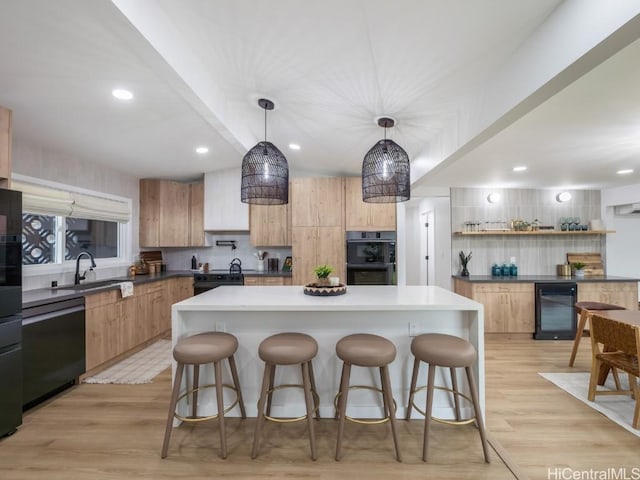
(386, 170)
(265, 172)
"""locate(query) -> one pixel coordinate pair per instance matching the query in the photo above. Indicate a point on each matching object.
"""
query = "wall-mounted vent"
(633, 208)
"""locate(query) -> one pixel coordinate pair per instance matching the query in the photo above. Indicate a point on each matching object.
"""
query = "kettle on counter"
(235, 267)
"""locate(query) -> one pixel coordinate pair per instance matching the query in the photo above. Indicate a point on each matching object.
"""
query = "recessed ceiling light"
(202, 150)
(122, 94)
(626, 171)
(521, 168)
(294, 146)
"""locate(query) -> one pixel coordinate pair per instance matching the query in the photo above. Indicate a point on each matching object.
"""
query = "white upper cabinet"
(223, 210)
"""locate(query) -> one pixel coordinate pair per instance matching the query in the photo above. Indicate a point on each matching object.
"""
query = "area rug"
(618, 408)
(140, 367)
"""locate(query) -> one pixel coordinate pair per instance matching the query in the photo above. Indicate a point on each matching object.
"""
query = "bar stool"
(365, 350)
(287, 349)
(586, 309)
(439, 350)
(196, 350)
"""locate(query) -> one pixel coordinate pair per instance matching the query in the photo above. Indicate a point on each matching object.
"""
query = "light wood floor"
(115, 432)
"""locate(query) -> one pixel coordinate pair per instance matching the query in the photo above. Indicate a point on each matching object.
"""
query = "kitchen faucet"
(93, 265)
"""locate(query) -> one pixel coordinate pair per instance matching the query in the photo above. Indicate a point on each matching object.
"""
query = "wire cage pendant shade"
(265, 171)
(386, 171)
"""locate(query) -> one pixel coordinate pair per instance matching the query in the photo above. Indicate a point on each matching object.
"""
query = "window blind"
(43, 200)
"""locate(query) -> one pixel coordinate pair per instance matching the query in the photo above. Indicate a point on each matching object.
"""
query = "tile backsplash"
(535, 255)
(219, 257)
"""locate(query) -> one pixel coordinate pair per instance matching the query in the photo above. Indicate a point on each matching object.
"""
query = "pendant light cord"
(265, 125)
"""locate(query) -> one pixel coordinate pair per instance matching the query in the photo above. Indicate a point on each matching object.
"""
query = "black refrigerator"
(10, 311)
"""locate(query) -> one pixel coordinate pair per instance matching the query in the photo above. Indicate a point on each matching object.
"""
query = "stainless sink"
(88, 285)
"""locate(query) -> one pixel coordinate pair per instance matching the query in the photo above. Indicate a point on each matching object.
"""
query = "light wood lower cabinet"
(116, 325)
(508, 307)
(624, 294)
(265, 280)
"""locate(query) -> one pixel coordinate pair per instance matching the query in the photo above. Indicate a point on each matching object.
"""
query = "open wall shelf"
(536, 232)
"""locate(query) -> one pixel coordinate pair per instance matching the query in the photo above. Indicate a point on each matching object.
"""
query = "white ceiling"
(197, 68)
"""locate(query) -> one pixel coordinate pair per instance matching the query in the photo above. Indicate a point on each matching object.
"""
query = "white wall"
(37, 162)
(622, 247)
(410, 238)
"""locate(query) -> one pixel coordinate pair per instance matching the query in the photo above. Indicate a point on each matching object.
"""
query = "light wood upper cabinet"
(270, 225)
(170, 214)
(5, 147)
(196, 214)
(317, 201)
(223, 210)
(362, 216)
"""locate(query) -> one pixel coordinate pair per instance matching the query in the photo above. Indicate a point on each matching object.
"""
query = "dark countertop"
(542, 279)
(265, 273)
(42, 296)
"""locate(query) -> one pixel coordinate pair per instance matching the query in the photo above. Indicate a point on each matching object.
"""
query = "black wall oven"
(10, 311)
(371, 258)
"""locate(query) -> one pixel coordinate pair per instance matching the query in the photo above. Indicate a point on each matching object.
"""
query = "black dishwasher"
(53, 348)
(555, 314)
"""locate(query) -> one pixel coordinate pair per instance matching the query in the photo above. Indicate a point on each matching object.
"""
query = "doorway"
(427, 248)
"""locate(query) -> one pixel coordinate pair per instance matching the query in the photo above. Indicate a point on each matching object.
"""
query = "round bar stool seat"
(585, 309)
(196, 350)
(366, 350)
(287, 349)
(448, 351)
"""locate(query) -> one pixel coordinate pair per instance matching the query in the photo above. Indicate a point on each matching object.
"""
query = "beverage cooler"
(555, 313)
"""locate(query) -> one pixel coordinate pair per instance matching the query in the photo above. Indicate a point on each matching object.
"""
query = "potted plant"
(322, 273)
(578, 269)
(464, 261)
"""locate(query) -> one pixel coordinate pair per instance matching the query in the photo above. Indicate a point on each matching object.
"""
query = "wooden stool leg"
(431, 376)
(385, 406)
(386, 392)
(342, 403)
(576, 341)
(478, 413)
(194, 396)
(337, 415)
(616, 378)
(236, 383)
(217, 367)
(636, 393)
(454, 387)
(316, 399)
(172, 409)
(262, 400)
(272, 378)
(412, 388)
(306, 382)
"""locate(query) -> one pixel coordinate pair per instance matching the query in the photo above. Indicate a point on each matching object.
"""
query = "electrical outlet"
(413, 328)
(221, 327)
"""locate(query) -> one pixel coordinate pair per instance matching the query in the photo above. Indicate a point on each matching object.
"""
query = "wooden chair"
(622, 350)
(585, 310)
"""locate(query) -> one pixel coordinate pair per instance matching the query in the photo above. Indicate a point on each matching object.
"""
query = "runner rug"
(140, 367)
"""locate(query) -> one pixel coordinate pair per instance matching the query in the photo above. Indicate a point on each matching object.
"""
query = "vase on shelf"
(465, 272)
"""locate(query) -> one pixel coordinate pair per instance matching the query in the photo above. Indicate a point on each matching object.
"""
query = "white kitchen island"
(394, 312)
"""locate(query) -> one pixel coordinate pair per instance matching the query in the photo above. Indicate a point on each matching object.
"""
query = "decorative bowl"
(324, 290)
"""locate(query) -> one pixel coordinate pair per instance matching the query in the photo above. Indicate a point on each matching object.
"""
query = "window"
(40, 239)
(58, 224)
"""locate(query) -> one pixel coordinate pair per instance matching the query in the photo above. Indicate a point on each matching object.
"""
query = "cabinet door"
(196, 214)
(520, 312)
(5, 147)
(101, 334)
(360, 215)
(149, 213)
(331, 248)
(493, 307)
(270, 225)
(223, 209)
(174, 214)
(317, 201)
(303, 251)
(624, 294)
